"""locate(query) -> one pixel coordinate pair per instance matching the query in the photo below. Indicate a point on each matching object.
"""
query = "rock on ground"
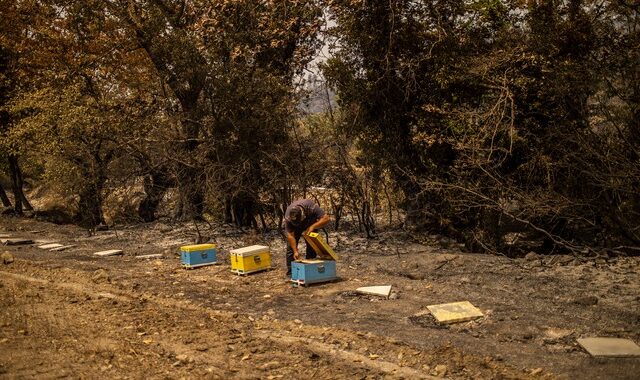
(7, 258)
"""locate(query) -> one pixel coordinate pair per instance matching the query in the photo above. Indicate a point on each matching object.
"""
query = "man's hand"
(318, 224)
(293, 245)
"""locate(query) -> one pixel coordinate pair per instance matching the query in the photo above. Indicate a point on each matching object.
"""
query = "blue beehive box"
(306, 272)
(192, 256)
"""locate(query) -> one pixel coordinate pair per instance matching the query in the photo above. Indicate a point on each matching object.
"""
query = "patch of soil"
(125, 317)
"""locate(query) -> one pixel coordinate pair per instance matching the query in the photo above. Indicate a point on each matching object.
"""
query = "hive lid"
(197, 247)
(111, 252)
(455, 312)
(318, 244)
(380, 290)
(609, 347)
(250, 250)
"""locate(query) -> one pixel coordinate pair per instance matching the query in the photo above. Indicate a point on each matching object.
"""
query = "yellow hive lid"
(320, 246)
(197, 247)
(250, 250)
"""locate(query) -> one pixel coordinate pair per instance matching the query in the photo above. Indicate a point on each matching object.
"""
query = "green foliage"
(485, 111)
(489, 116)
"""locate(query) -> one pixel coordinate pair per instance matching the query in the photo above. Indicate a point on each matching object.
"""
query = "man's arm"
(324, 219)
(294, 246)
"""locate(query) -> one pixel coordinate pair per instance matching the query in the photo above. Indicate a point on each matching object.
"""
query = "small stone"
(564, 259)
(393, 296)
(163, 228)
(586, 301)
(440, 370)
(270, 365)
(7, 258)
(531, 256)
(297, 321)
(536, 371)
(100, 276)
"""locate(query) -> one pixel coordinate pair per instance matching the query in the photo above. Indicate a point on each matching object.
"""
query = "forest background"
(508, 125)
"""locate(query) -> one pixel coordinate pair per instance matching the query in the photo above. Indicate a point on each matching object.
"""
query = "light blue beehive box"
(193, 256)
(306, 272)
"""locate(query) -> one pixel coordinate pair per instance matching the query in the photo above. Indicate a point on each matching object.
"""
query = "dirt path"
(123, 317)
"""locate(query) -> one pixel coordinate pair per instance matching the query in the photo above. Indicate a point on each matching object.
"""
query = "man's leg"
(310, 254)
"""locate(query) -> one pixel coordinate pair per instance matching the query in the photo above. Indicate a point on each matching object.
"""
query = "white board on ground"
(382, 290)
(111, 252)
(610, 347)
(51, 245)
(455, 312)
(17, 241)
(58, 249)
(153, 256)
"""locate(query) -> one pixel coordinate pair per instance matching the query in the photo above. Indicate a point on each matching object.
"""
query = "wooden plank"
(111, 252)
(153, 256)
(58, 249)
(50, 246)
(383, 290)
(17, 241)
(610, 347)
(455, 312)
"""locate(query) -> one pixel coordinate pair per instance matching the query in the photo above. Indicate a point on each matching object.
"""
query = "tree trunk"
(155, 186)
(90, 205)
(16, 180)
(5, 199)
(191, 196)
(228, 214)
(243, 209)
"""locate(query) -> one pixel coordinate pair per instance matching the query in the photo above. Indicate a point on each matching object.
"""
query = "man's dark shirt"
(312, 212)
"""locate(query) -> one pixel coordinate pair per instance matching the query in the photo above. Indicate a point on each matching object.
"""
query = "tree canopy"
(493, 121)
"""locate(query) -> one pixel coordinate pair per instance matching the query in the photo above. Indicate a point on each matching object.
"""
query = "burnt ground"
(71, 314)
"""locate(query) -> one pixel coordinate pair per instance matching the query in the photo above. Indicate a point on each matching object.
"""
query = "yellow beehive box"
(321, 247)
(250, 259)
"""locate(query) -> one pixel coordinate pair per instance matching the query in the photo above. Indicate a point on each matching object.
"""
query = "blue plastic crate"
(313, 271)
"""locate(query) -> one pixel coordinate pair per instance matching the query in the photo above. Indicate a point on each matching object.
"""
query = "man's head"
(296, 215)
